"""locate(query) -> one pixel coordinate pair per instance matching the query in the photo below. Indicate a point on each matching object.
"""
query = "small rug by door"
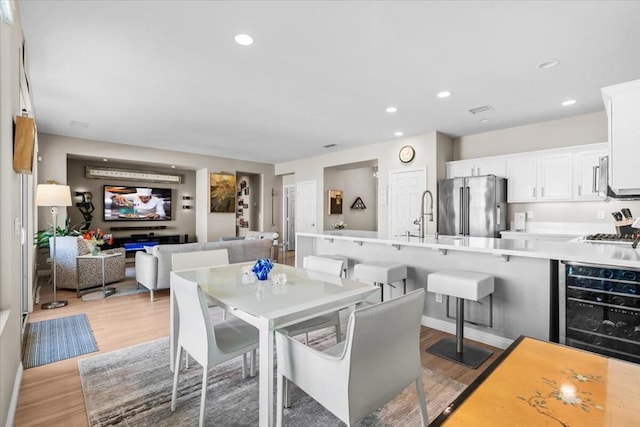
(132, 386)
(49, 341)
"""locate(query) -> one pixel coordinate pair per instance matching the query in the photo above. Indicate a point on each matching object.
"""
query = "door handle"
(594, 181)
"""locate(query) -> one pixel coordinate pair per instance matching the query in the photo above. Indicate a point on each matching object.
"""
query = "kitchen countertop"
(604, 254)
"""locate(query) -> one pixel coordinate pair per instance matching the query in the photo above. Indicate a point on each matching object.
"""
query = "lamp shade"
(53, 195)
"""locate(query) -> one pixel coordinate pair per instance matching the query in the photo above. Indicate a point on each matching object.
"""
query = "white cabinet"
(554, 178)
(585, 174)
(487, 166)
(622, 103)
(522, 179)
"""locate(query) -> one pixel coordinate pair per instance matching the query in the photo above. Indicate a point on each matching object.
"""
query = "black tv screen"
(136, 203)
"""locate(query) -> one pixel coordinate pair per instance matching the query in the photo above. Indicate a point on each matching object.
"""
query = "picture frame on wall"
(222, 190)
(335, 202)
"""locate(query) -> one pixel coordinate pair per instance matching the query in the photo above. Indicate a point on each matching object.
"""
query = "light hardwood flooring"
(52, 395)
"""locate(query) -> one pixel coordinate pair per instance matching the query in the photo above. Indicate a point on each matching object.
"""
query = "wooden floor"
(52, 395)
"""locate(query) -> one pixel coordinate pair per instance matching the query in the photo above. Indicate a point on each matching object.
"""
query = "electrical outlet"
(600, 215)
(439, 298)
(529, 214)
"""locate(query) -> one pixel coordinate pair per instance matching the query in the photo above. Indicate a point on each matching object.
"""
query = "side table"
(102, 256)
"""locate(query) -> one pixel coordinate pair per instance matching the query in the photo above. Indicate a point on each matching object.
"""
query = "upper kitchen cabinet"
(522, 178)
(622, 103)
(585, 173)
(543, 176)
(487, 166)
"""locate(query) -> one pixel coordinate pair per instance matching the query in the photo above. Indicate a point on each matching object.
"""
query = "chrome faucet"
(420, 222)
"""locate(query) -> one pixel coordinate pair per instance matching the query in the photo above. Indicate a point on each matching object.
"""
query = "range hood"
(604, 190)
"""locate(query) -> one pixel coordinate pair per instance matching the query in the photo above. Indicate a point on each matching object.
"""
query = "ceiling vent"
(482, 109)
(329, 145)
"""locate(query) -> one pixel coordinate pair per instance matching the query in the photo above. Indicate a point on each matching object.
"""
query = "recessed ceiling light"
(391, 109)
(173, 166)
(568, 102)
(444, 94)
(244, 39)
(484, 121)
(548, 64)
(105, 160)
(399, 133)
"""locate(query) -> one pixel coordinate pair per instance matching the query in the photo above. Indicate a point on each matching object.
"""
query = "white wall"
(353, 183)
(10, 279)
(432, 150)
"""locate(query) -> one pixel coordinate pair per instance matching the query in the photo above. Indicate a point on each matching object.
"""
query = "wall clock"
(407, 153)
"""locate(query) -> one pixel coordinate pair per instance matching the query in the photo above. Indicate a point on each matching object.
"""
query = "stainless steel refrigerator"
(472, 206)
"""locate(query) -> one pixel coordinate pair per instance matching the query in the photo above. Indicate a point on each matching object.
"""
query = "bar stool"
(464, 285)
(344, 259)
(381, 273)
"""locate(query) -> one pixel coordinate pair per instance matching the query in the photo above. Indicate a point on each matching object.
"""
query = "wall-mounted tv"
(136, 203)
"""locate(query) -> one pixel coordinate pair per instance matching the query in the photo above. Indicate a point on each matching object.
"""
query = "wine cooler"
(601, 310)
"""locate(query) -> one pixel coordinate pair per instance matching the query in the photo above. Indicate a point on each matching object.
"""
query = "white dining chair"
(325, 266)
(208, 343)
(379, 358)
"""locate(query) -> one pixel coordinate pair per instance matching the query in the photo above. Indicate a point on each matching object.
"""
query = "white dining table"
(268, 306)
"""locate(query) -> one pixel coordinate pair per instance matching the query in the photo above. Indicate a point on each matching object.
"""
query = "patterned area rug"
(132, 386)
(49, 341)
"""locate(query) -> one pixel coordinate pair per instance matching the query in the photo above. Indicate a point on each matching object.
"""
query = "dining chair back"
(378, 359)
(331, 267)
(208, 343)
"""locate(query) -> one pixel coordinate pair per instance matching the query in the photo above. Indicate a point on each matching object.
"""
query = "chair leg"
(244, 365)
(338, 334)
(174, 392)
(281, 383)
(224, 314)
(152, 296)
(286, 393)
(186, 359)
(421, 401)
(252, 361)
(203, 398)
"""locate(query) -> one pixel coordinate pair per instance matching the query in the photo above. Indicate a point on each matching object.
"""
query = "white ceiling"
(168, 74)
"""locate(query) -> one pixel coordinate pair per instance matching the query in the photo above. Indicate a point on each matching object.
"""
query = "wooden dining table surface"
(538, 383)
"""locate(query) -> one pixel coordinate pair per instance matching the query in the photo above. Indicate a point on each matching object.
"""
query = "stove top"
(609, 238)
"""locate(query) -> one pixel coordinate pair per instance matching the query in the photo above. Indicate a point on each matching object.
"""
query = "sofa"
(153, 265)
(87, 274)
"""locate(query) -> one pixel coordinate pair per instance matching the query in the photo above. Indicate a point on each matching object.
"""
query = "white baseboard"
(13, 406)
(472, 334)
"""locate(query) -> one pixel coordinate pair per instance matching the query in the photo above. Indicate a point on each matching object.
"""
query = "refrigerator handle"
(461, 210)
(465, 209)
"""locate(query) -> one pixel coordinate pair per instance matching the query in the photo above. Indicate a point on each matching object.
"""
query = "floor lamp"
(53, 195)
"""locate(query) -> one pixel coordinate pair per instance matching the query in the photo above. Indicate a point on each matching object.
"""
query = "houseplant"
(41, 238)
(97, 238)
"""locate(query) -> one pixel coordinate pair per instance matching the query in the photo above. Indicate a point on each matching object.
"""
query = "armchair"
(88, 273)
(379, 358)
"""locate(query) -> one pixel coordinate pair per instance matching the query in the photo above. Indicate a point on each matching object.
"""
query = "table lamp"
(53, 195)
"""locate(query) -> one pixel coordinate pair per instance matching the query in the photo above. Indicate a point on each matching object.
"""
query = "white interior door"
(289, 217)
(405, 191)
(306, 211)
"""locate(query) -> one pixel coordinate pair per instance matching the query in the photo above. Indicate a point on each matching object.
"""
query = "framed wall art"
(222, 191)
(335, 202)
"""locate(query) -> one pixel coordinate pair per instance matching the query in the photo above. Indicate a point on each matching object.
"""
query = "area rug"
(132, 386)
(49, 341)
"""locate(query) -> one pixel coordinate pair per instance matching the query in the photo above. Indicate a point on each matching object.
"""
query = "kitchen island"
(527, 275)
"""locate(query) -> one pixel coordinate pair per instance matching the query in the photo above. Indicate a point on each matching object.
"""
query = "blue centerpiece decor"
(262, 268)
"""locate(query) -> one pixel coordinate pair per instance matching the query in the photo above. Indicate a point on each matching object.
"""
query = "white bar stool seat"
(463, 285)
(381, 273)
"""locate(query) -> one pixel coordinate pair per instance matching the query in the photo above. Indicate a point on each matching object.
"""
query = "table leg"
(106, 291)
(174, 324)
(266, 375)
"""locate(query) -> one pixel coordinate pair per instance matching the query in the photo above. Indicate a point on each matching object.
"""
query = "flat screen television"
(136, 203)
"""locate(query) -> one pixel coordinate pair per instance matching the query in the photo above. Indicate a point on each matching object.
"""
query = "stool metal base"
(471, 356)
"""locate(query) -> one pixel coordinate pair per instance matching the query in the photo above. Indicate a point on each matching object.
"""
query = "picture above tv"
(136, 203)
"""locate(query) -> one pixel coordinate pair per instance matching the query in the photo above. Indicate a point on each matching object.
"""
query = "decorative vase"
(94, 250)
(262, 267)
